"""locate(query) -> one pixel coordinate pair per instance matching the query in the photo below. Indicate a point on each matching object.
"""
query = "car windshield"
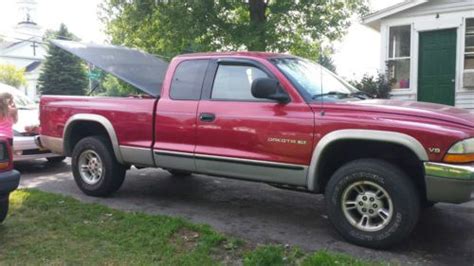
(312, 80)
(21, 101)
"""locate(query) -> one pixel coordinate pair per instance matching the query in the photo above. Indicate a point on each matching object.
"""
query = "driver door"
(245, 137)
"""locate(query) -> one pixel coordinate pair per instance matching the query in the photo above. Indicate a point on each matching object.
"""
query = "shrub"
(377, 86)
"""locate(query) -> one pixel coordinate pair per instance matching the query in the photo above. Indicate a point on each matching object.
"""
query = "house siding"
(465, 100)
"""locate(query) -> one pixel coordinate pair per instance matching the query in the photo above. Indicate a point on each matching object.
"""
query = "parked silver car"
(25, 142)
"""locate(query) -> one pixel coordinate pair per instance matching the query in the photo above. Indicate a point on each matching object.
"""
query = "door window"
(188, 79)
(233, 82)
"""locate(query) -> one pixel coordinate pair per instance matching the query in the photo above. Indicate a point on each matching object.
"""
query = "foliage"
(327, 62)
(172, 27)
(51, 229)
(12, 76)
(378, 86)
(272, 255)
(112, 86)
(63, 73)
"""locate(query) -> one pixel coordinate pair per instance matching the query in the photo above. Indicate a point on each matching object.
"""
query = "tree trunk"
(258, 20)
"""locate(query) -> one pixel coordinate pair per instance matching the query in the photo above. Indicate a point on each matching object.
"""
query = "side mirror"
(265, 88)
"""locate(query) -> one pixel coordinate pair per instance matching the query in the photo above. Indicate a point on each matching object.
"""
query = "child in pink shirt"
(8, 115)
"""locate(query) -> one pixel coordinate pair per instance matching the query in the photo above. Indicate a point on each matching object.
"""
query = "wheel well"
(341, 152)
(79, 130)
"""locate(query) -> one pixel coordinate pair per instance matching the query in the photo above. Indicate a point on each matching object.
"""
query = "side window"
(233, 82)
(188, 79)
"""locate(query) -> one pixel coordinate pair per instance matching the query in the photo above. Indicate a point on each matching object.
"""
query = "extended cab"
(270, 118)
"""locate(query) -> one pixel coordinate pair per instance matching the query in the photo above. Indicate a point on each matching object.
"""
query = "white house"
(427, 47)
(24, 47)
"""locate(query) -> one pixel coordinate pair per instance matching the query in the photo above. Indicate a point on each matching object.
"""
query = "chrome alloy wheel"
(367, 206)
(91, 168)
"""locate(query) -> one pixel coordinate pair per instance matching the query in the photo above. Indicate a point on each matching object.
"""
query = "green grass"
(44, 228)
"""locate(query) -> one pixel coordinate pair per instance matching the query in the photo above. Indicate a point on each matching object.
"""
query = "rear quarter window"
(188, 80)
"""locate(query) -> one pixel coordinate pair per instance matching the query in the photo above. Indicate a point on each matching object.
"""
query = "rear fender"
(93, 118)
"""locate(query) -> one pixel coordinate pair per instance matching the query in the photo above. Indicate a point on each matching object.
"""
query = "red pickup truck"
(271, 118)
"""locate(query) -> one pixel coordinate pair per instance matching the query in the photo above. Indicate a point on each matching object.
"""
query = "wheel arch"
(388, 137)
(99, 120)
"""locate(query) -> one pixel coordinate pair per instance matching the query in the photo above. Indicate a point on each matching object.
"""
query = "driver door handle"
(207, 117)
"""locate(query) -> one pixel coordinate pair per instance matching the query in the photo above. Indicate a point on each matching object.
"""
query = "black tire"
(55, 160)
(179, 173)
(426, 204)
(113, 174)
(4, 202)
(405, 203)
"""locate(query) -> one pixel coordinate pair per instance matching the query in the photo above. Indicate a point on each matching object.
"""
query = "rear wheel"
(95, 168)
(372, 203)
(3, 207)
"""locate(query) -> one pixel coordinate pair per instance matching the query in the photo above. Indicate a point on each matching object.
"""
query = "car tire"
(383, 203)
(428, 204)
(95, 168)
(55, 160)
(4, 202)
(179, 173)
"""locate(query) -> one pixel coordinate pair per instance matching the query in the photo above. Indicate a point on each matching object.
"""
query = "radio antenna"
(321, 78)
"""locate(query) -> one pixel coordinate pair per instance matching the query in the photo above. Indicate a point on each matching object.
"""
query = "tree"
(175, 26)
(327, 62)
(12, 76)
(63, 73)
(112, 86)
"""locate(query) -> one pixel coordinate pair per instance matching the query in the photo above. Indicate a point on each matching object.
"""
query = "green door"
(437, 66)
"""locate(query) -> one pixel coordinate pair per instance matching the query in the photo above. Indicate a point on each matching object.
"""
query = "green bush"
(377, 86)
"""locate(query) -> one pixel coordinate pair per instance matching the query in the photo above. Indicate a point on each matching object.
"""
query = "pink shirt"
(6, 127)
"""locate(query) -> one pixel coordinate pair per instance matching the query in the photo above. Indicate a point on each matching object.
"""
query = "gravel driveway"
(262, 214)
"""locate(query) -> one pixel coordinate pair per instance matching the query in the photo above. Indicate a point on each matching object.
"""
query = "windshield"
(21, 101)
(312, 80)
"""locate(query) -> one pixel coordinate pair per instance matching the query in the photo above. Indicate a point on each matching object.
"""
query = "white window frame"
(464, 53)
(387, 57)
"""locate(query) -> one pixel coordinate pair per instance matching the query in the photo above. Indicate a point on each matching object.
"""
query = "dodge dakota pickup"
(271, 118)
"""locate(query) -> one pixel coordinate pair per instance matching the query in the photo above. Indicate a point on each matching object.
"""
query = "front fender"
(360, 134)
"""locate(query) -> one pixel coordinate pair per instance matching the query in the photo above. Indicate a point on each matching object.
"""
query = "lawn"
(44, 228)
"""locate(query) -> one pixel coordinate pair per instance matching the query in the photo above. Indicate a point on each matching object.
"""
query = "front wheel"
(372, 203)
(95, 168)
(3, 207)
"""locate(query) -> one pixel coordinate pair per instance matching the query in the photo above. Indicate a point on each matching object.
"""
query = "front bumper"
(449, 182)
(9, 181)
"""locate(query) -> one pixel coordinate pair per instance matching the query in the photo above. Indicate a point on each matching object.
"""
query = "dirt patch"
(185, 239)
(231, 252)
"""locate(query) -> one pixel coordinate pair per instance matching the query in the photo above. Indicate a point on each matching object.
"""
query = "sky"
(356, 54)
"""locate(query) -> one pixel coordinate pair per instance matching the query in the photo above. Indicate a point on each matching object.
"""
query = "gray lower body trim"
(175, 160)
(137, 156)
(449, 183)
(56, 145)
(256, 170)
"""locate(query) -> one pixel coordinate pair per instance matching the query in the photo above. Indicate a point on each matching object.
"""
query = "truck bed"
(127, 116)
